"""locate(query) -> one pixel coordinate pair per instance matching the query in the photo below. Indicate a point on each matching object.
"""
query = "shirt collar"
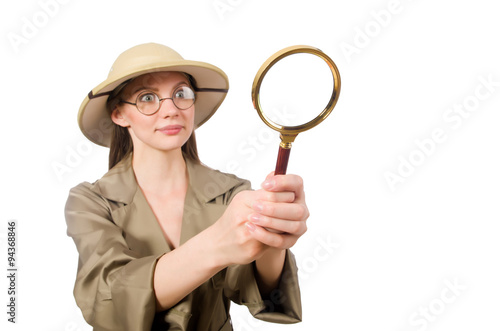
(119, 183)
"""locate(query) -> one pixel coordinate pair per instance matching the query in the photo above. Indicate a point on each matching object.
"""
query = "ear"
(118, 119)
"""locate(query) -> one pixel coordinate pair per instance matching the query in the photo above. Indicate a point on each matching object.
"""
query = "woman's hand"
(274, 216)
(280, 224)
(234, 242)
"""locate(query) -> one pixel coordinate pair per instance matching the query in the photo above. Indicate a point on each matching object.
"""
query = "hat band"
(92, 95)
(208, 89)
(197, 89)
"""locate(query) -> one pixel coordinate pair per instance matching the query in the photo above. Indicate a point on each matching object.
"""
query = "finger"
(284, 211)
(270, 175)
(251, 198)
(296, 228)
(275, 196)
(281, 241)
(285, 183)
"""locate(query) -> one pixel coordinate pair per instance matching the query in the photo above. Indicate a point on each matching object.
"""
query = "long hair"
(121, 142)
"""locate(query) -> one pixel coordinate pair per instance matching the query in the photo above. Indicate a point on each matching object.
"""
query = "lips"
(170, 129)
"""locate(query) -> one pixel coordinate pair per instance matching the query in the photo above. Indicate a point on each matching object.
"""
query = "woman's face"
(169, 128)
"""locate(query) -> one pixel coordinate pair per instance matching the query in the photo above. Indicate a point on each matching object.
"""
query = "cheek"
(189, 116)
(137, 121)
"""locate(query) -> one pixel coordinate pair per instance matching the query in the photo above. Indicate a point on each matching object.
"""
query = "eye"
(147, 97)
(184, 92)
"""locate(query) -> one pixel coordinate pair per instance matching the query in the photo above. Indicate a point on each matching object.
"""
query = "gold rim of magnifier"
(259, 77)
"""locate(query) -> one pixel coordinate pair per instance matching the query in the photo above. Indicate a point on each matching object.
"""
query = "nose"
(168, 108)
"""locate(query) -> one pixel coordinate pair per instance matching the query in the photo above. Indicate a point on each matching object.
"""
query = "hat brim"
(212, 86)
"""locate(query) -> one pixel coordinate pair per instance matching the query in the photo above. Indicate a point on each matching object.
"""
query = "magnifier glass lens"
(296, 89)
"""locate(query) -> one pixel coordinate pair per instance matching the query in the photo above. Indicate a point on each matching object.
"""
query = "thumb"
(265, 183)
(271, 174)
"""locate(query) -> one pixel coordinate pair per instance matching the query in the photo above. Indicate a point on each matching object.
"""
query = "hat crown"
(141, 57)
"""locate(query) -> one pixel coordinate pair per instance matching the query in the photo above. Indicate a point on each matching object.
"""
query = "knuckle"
(279, 241)
(305, 212)
(269, 209)
(301, 212)
(241, 238)
(295, 180)
(264, 195)
(296, 227)
(300, 181)
(253, 251)
(269, 196)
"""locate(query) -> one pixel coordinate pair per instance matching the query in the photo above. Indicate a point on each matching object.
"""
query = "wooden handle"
(282, 163)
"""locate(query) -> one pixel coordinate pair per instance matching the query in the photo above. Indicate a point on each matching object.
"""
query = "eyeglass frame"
(160, 100)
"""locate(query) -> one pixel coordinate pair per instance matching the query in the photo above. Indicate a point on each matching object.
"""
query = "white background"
(377, 256)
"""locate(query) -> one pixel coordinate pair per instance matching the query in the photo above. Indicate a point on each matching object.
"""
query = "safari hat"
(211, 87)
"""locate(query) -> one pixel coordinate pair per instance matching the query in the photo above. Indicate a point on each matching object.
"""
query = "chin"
(171, 145)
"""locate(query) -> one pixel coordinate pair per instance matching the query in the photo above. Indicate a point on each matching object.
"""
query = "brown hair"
(121, 143)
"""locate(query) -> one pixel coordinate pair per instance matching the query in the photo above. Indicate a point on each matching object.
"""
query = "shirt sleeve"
(283, 305)
(111, 280)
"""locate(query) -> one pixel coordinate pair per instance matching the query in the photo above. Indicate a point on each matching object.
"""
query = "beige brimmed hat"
(211, 87)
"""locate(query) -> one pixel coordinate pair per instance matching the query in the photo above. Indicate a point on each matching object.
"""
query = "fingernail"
(268, 184)
(255, 218)
(250, 226)
(258, 207)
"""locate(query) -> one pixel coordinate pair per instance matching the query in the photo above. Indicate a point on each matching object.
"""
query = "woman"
(165, 242)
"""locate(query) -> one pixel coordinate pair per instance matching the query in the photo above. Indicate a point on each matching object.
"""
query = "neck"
(160, 172)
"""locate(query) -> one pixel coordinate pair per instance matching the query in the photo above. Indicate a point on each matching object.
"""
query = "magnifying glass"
(301, 89)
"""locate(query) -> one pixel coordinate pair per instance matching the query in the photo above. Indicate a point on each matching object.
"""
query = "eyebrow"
(154, 89)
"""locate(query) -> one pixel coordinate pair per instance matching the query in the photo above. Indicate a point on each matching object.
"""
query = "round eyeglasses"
(148, 102)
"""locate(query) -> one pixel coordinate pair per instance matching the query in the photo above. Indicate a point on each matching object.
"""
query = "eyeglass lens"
(148, 102)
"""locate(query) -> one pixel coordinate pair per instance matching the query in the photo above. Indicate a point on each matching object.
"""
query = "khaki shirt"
(119, 242)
